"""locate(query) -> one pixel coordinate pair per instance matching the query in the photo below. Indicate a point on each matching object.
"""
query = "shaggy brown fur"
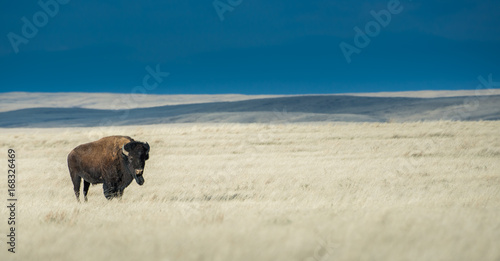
(114, 161)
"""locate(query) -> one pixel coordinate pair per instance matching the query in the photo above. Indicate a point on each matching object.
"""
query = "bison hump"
(100, 152)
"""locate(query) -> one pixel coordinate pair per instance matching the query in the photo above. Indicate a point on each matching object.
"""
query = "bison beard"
(114, 161)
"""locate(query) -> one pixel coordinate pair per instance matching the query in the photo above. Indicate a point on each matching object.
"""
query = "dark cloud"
(261, 46)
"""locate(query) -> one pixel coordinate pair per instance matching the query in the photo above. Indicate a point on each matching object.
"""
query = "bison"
(114, 161)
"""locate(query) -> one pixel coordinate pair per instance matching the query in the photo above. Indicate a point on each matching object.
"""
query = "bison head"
(136, 153)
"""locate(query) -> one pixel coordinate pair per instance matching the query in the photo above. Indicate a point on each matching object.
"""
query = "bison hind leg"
(76, 186)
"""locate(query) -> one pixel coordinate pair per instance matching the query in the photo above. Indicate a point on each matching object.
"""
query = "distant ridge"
(288, 109)
(114, 101)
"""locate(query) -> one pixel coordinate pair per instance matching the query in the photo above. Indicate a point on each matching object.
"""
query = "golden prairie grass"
(378, 191)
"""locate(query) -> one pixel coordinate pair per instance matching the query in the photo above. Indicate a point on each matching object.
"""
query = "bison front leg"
(86, 186)
(120, 193)
(110, 190)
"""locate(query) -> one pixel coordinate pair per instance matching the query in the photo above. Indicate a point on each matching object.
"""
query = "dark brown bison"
(114, 161)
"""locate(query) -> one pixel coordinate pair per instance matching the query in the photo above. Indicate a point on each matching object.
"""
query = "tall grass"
(382, 191)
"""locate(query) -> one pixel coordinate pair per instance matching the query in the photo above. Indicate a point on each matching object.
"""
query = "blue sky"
(260, 47)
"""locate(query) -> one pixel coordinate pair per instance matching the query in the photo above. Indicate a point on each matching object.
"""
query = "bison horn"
(124, 151)
(147, 147)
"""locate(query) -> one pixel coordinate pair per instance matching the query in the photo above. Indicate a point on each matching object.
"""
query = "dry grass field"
(358, 191)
